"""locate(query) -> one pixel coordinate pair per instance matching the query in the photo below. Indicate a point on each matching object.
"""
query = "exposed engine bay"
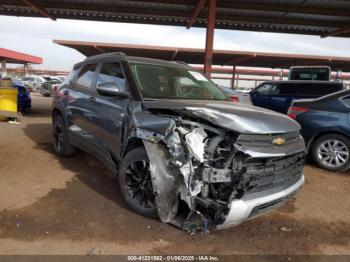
(206, 176)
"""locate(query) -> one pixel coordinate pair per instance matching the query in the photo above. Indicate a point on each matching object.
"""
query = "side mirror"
(111, 89)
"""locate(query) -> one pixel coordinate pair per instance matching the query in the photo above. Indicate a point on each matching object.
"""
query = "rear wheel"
(60, 138)
(136, 184)
(332, 152)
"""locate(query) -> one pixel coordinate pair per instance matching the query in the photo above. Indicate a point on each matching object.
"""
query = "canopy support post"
(3, 68)
(208, 57)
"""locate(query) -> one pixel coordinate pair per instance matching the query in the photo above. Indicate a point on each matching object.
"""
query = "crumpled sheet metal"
(249, 122)
(165, 181)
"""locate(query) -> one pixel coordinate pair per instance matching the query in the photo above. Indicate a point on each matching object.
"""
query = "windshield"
(156, 81)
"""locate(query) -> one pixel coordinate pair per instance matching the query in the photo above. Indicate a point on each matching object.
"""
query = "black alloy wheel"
(136, 183)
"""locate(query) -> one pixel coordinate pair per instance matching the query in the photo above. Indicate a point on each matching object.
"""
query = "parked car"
(61, 78)
(244, 89)
(47, 88)
(33, 82)
(326, 129)
(279, 95)
(50, 77)
(24, 100)
(235, 96)
(182, 151)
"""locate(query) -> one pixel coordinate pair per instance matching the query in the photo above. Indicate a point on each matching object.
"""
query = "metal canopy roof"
(18, 58)
(220, 57)
(312, 17)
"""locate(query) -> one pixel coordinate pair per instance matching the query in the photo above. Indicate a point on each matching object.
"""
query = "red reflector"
(292, 116)
(294, 111)
(234, 99)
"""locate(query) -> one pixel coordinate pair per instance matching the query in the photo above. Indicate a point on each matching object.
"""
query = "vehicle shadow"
(85, 167)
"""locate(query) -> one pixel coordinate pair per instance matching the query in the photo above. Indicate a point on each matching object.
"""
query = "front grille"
(265, 174)
(266, 140)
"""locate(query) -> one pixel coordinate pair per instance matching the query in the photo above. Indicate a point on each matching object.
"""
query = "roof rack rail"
(181, 62)
(105, 55)
(121, 53)
(92, 59)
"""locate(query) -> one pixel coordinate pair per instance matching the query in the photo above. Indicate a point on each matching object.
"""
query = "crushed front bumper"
(253, 205)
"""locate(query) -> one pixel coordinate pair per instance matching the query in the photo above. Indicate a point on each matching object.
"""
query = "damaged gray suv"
(181, 150)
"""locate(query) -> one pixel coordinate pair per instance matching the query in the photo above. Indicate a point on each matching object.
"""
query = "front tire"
(332, 152)
(136, 184)
(61, 143)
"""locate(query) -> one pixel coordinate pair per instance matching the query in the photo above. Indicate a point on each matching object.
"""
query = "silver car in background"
(236, 96)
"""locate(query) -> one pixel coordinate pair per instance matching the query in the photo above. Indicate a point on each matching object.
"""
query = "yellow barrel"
(8, 99)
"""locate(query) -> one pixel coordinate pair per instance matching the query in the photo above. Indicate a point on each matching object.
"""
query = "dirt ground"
(52, 205)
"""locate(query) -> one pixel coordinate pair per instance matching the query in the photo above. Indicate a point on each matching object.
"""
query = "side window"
(111, 72)
(70, 76)
(86, 75)
(309, 89)
(267, 89)
(346, 100)
(292, 89)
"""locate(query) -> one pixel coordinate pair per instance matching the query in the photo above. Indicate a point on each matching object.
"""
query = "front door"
(263, 95)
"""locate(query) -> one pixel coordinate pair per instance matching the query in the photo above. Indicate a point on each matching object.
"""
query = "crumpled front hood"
(240, 118)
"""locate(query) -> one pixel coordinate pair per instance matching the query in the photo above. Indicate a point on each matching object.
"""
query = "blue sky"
(35, 35)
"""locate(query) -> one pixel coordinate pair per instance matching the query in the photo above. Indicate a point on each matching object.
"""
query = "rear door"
(106, 113)
(346, 101)
(79, 106)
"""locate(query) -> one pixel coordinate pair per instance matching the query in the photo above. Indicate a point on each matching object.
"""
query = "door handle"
(92, 99)
(66, 92)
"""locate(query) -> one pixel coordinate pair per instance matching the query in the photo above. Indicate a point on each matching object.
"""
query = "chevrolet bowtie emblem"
(278, 141)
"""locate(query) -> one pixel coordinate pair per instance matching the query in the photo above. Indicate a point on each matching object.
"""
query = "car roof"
(134, 59)
(335, 95)
(226, 89)
(307, 67)
(302, 81)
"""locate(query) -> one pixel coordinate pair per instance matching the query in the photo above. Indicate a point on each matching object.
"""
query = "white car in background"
(34, 82)
(236, 96)
(62, 78)
(244, 89)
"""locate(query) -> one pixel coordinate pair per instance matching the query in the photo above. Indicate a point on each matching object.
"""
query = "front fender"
(165, 181)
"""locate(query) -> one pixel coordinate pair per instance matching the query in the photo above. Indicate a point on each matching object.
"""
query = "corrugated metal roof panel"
(288, 16)
(221, 57)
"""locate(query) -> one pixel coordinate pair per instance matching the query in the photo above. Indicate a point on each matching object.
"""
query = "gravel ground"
(52, 205)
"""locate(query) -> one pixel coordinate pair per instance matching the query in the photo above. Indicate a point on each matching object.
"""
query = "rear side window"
(291, 89)
(309, 89)
(86, 75)
(111, 72)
